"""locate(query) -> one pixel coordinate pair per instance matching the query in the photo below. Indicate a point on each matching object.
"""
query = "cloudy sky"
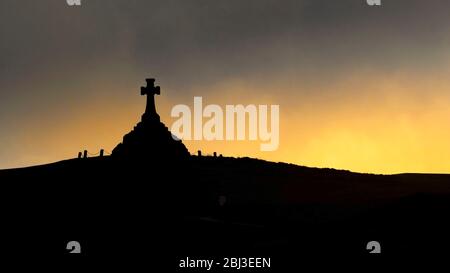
(359, 87)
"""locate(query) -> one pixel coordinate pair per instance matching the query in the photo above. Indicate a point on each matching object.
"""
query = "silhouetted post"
(102, 152)
(199, 153)
(79, 154)
(85, 154)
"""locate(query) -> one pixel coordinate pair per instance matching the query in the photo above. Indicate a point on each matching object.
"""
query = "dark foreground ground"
(153, 215)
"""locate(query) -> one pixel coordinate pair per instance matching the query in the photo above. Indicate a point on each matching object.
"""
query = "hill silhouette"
(152, 195)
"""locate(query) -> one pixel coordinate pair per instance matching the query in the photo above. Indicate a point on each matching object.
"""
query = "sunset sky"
(360, 88)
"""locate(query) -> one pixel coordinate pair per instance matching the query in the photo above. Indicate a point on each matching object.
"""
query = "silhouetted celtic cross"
(150, 90)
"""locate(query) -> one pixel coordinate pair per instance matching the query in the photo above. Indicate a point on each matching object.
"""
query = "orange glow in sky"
(385, 130)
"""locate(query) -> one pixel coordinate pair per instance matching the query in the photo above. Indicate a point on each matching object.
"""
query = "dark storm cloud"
(201, 42)
(190, 42)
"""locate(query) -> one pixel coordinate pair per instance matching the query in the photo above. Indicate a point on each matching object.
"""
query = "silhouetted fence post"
(85, 154)
(199, 153)
(79, 154)
(102, 152)
(215, 154)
